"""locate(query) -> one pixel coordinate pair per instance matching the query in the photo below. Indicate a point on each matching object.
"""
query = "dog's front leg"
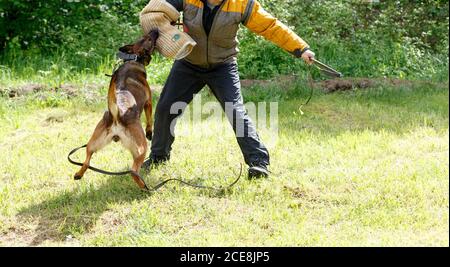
(148, 116)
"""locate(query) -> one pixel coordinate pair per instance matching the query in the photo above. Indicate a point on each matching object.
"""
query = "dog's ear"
(127, 49)
(154, 34)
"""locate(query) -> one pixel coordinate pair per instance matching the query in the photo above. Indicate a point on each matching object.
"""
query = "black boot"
(154, 161)
(256, 171)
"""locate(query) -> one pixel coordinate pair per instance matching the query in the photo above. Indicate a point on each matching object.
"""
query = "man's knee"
(236, 112)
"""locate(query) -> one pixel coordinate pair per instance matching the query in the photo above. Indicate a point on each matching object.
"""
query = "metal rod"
(327, 69)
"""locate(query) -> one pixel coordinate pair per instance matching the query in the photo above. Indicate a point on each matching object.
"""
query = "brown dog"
(129, 94)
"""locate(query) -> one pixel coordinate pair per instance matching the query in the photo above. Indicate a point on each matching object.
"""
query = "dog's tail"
(125, 101)
(112, 100)
(120, 101)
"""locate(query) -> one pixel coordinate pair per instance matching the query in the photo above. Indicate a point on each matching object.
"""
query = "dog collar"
(127, 57)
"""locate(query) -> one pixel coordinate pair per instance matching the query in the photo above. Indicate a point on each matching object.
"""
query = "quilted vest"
(221, 44)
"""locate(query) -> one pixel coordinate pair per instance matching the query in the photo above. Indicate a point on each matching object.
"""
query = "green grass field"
(359, 168)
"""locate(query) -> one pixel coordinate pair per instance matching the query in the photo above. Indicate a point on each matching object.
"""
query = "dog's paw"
(77, 177)
(140, 182)
(149, 135)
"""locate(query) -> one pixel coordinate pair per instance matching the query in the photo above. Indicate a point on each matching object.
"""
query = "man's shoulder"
(227, 2)
(236, 5)
(197, 3)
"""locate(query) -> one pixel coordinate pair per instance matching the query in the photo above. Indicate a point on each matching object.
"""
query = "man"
(213, 24)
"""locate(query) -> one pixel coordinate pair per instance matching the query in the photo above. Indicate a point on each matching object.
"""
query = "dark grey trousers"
(184, 81)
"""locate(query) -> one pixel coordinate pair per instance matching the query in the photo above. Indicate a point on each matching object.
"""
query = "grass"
(54, 70)
(359, 168)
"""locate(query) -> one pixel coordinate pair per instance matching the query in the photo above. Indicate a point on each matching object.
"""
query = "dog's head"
(144, 47)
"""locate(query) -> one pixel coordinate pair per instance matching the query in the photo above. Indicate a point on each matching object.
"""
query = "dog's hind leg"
(100, 138)
(137, 144)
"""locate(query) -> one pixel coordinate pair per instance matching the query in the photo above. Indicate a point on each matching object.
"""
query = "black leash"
(93, 168)
(115, 68)
(324, 69)
(156, 187)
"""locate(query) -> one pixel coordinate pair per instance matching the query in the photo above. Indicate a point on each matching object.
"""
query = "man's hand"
(308, 56)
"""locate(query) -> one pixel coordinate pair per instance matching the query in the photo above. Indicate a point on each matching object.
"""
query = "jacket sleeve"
(262, 23)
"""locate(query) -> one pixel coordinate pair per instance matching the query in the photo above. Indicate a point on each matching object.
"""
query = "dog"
(128, 96)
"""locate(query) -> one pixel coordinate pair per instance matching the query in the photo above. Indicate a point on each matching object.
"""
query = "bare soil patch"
(341, 84)
(282, 82)
(71, 90)
(68, 89)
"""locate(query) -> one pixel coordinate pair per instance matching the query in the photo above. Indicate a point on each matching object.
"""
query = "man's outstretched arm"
(262, 23)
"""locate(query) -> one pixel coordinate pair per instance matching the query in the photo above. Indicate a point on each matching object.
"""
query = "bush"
(392, 38)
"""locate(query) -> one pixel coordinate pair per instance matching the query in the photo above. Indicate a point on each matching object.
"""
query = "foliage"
(389, 38)
(51, 23)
